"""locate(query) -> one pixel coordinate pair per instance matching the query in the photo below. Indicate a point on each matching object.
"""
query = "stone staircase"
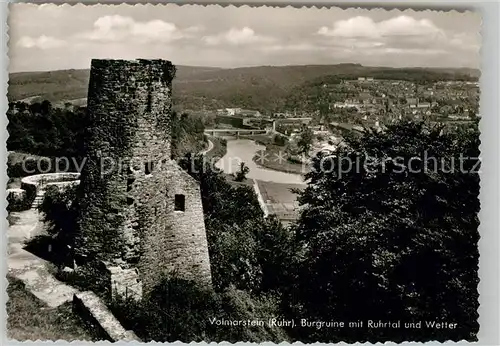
(38, 199)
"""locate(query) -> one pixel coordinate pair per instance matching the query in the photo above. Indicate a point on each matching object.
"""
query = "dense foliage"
(41, 129)
(178, 310)
(187, 134)
(305, 140)
(391, 239)
(381, 237)
(242, 172)
(237, 231)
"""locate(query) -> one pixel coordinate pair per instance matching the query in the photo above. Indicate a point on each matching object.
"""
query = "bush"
(280, 140)
(241, 175)
(90, 277)
(294, 159)
(179, 310)
(17, 202)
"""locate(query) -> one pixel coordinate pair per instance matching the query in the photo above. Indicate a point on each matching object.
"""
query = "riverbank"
(259, 139)
(274, 188)
(244, 150)
(219, 148)
(274, 157)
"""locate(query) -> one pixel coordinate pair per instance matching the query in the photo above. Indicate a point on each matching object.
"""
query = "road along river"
(243, 150)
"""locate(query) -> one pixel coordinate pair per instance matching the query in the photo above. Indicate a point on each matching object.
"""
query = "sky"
(51, 37)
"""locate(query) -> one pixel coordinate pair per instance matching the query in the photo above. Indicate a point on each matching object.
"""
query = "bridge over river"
(235, 132)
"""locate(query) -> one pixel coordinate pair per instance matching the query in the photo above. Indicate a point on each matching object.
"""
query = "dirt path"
(30, 269)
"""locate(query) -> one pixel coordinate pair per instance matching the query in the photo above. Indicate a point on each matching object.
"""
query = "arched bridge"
(234, 132)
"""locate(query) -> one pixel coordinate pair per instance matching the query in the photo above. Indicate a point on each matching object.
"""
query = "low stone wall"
(34, 183)
(262, 204)
(40, 180)
(97, 316)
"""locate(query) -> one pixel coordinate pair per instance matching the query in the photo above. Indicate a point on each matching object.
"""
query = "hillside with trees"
(58, 132)
(264, 88)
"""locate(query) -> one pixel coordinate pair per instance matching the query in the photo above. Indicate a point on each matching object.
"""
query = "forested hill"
(263, 87)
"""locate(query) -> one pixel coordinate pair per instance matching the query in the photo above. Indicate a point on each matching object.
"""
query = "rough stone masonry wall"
(128, 103)
(127, 216)
(180, 248)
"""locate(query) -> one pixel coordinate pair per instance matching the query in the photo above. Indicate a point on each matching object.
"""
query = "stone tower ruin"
(141, 215)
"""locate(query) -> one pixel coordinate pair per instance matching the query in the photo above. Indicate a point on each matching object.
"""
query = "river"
(243, 150)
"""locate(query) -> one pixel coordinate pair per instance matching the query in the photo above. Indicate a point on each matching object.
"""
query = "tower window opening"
(148, 167)
(149, 102)
(180, 203)
(130, 182)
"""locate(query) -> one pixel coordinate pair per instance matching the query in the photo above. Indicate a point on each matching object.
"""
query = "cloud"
(194, 29)
(297, 47)
(237, 37)
(466, 41)
(54, 10)
(41, 42)
(353, 27)
(115, 28)
(365, 27)
(402, 35)
(414, 51)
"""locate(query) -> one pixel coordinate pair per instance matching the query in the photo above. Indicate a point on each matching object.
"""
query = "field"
(280, 199)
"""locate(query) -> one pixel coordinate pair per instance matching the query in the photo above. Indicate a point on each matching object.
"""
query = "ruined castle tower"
(140, 214)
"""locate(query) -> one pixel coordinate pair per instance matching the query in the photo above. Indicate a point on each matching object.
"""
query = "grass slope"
(30, 319)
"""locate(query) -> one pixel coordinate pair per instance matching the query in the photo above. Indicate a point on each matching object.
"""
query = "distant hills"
(263, 87)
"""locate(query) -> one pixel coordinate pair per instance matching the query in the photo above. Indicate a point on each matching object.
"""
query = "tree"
(279, 140)
(383, 242)
(305, 140)
(44, 130)
(277, 251)
(60, 211)
(187, 132)
(233, 218)
(59, 208)
(241, 175)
